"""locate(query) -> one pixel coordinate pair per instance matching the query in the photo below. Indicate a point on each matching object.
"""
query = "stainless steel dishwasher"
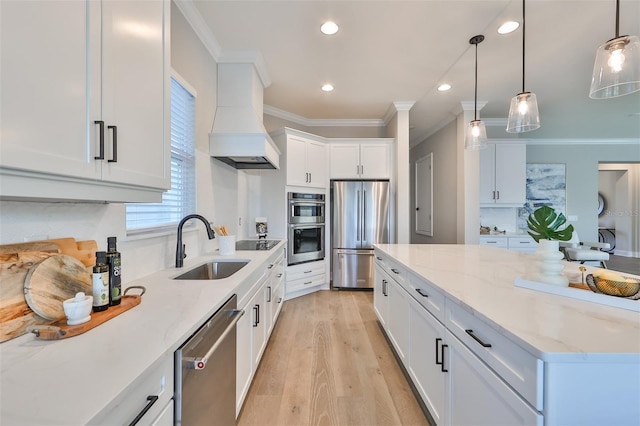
(205, 371)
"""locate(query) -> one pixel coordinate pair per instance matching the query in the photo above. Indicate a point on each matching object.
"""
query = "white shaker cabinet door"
(316, 159)
(44, 77)
(345, 161)
(375, 160)
(297, 173)
(426, 360)
(478, 396)
(135, 47)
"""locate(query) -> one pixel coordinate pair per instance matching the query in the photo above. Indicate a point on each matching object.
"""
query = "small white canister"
(227, 245)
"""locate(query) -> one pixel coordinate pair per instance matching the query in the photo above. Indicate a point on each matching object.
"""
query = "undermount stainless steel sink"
(214, 270)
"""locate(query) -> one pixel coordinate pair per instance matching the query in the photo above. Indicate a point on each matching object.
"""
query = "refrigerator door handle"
(364, 214)
(358, 209)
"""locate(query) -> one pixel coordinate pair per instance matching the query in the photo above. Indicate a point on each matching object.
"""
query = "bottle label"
(115, 278)
(100, 288)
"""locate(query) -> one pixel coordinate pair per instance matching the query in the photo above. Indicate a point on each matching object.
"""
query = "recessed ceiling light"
(327, 87)
(329, 28)
(508, 27)
(444, 87)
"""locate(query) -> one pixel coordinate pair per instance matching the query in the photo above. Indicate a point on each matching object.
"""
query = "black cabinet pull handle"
(269, 292)
(438, 340)
(419, 291)
(256, 315)
(114, 157)
(395, 271)
(100, 124)
(379, 258)
(152, 400)
(444, 370)
(477, 339)
(384, 287)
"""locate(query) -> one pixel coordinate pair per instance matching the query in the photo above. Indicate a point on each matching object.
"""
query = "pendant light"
(523, 112)
(616, 71)
(476, 134)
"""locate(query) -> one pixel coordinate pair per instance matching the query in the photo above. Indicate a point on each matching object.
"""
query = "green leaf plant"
(544, 223)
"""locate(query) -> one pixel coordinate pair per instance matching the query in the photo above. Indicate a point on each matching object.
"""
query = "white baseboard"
(625, 253)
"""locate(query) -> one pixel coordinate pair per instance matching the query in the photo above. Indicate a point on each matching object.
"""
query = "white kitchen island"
(480, 350)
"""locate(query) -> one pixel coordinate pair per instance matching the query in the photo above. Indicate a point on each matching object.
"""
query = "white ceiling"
(398, 50)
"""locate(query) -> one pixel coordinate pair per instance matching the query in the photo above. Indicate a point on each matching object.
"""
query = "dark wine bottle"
(115, 271)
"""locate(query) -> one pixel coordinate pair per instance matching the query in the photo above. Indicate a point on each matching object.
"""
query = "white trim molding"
(320, 122)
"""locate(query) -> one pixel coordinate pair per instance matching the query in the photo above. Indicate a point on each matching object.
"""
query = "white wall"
(218, 189)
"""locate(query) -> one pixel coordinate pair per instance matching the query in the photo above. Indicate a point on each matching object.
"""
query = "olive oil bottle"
(100, 279)
(115, 271)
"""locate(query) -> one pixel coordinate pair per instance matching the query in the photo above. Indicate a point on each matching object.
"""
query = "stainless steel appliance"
(205, 371)
(306, 228)
(360, 219)
(306, 243)
(256, 244)
(306, 208)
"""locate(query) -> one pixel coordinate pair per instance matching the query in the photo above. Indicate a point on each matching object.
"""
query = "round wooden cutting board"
(54, 280)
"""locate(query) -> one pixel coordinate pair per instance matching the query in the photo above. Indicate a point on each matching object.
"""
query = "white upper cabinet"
(361, 160)
(306, 162)
(76, 73)
(503, 175)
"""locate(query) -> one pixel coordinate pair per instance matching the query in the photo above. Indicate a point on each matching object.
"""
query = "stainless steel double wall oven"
(306, 222)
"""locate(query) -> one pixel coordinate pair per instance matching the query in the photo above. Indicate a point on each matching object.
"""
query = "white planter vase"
(549, 264)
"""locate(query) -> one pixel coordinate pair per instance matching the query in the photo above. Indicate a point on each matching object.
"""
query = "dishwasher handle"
(199, 363)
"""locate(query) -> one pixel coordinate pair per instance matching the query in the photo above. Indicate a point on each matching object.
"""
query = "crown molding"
(317, 122)
(195, 19)
(577, 141)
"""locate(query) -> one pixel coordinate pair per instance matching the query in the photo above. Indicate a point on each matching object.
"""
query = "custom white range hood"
(238, 136)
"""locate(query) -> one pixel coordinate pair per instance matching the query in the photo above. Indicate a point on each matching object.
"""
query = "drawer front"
(155, 382)
(427, 295)
(304, 270)
(393, 268)
(306, 282)
(517, 367)
(516, 243)
(494, 241)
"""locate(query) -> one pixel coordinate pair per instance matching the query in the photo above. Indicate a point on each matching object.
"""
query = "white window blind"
(180, 200)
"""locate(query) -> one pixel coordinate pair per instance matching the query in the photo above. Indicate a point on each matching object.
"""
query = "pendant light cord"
(523, 55)
(475, 102)
(617, 18)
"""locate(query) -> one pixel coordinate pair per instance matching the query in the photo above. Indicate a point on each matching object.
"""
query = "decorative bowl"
(629, 288)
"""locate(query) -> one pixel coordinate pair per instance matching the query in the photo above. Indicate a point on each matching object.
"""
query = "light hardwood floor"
(328, 363)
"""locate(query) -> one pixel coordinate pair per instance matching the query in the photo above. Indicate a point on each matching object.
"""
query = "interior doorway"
(618, 207)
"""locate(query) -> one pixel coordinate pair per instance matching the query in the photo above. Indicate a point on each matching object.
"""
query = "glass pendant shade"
(476, 135)
(616, 71)
(523, 113)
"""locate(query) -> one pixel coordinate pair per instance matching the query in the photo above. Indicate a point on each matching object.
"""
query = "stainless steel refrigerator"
(359, 219)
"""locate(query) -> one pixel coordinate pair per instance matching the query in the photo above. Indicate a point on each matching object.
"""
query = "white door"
(244, 356)
(375, 160)
(345, 161)
(487, 174)
(398, 318)
(511, 171)
(44, 122)
(380, 298)
(316, 160)
(135, 92)
(425, 360)
(424, 195)
(478, 396)
(296, 162)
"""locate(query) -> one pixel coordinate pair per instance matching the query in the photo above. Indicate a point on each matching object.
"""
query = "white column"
(398, 128)
(468, 182)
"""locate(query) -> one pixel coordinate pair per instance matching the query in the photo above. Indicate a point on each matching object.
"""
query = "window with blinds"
(180, 200)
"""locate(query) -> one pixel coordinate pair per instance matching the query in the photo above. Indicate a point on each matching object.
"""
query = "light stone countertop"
(68, 381)
(551, 327)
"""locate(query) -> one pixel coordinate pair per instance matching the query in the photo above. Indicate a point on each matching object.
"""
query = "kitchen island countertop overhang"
(553, 328)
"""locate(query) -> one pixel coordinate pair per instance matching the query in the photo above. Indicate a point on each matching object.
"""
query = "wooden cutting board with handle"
(15, 262)
(54, 280)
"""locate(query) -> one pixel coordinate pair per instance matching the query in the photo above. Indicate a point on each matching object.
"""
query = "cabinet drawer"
(305, 282)
(393, 268)
(517, 367)
(427, 295)
(305, 270)
(522, 243)
(157, 381)
(496, 242)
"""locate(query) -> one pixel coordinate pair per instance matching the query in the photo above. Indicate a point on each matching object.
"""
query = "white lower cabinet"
(426, 366)
(304, 277)
(478, 396)
(465, 372)
(146, 400)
